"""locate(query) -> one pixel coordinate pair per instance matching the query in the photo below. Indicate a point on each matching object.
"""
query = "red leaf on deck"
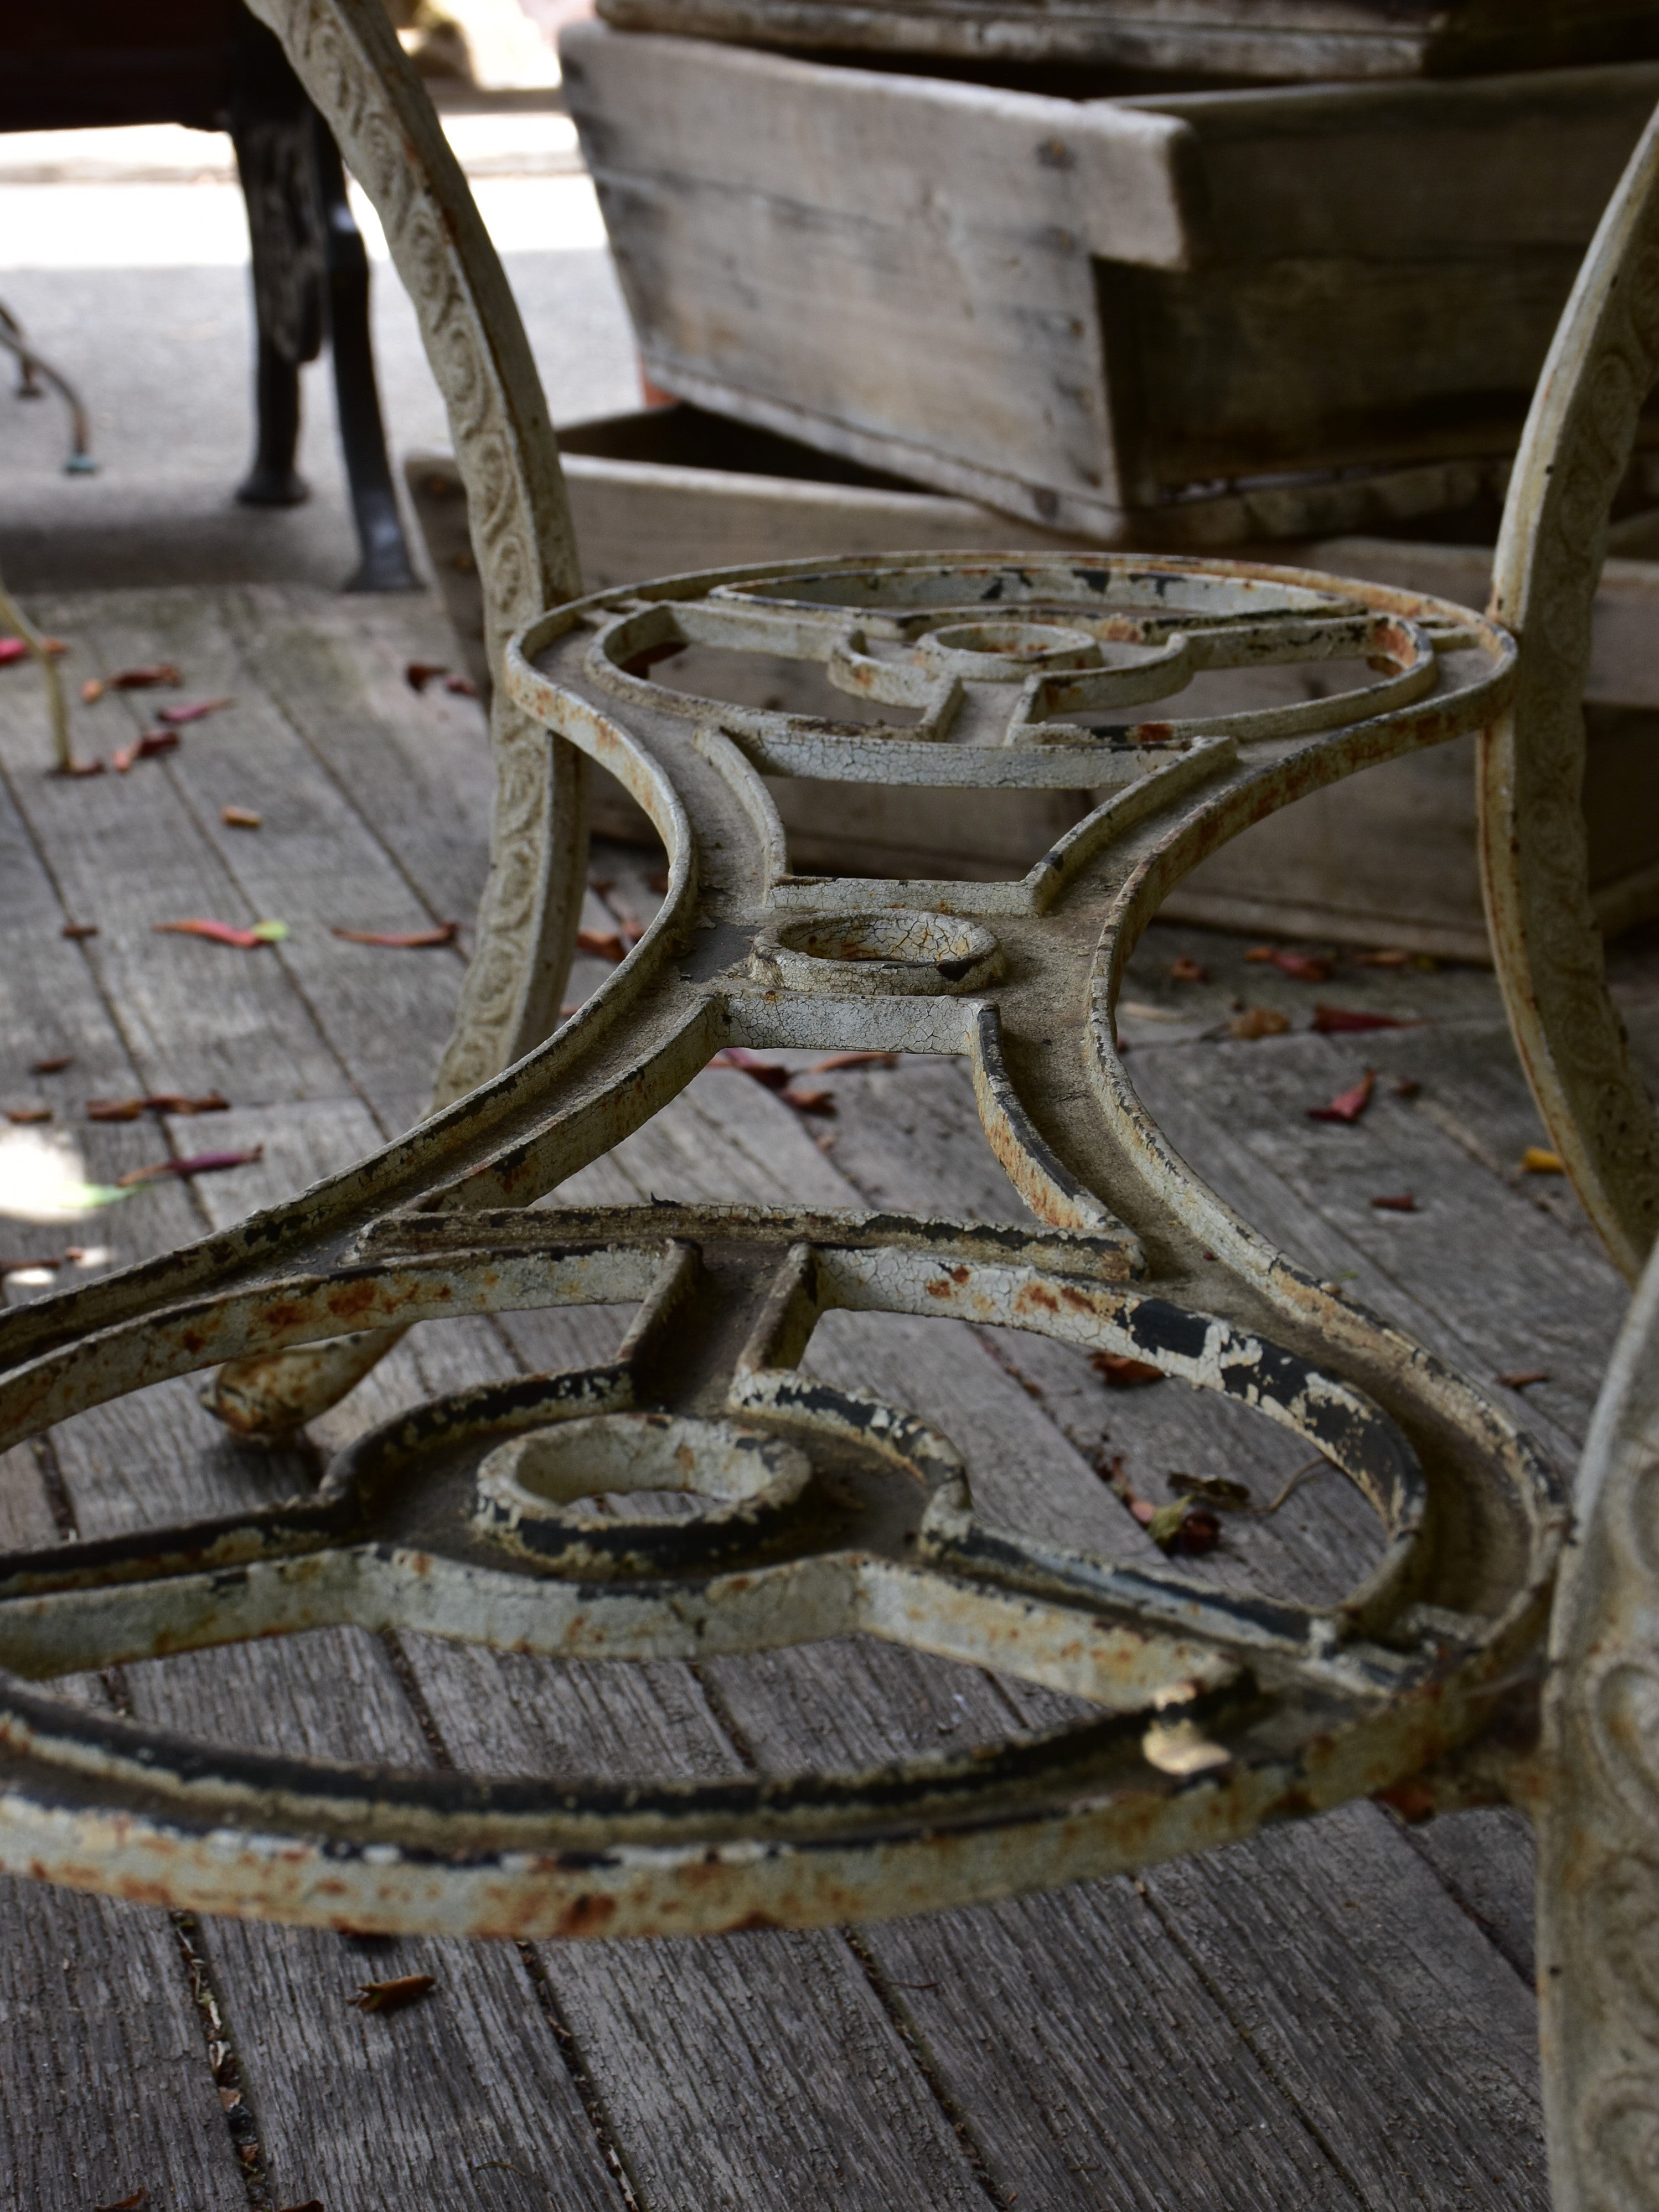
(1336, 1021)
(462, 686)
(1303, 966)
(145, 679)
(199, 1164)
(1186, 969)
(55, 1066)
(391, 1997)
(27, 1114)
(603, 944)
(420, 673)
(136, 2203)
(1347, 1105)
(835, 1060)
(80, 929)
(1404, 1204)
(809, 1102)
(1124, 1374)
(144, 748)
(1256, 1022)
(1522, 1376)
(219, 932)
(158, 1102)
(771, 1072)
(191, 711)
(403, 940)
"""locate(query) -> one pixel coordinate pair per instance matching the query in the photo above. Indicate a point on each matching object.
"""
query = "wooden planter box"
(1386, 858)
(1174, 320)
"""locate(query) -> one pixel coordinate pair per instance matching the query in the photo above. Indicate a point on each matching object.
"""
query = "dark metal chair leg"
(273, 480)
(386, 563)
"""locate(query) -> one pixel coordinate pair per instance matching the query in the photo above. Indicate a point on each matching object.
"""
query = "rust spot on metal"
(586, 1914)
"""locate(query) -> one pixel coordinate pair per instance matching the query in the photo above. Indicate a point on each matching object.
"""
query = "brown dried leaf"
(602, 943)
(1304, 967)
(1334, 1021)
(198, 1164)
(1124, 1374)
(837, 1059)
(1403, 1203)
(403, 940)
(809, 1102)
(26, 1115)
(53, 1065)
(1214, 1490)
(420, 673)
(1186, 969)
(393, 1996)
(1260, 1022)
(1407, 1087)
(145, 679)
(1522, 1376)
(80, 929)
(144, 748)
(136, 2203)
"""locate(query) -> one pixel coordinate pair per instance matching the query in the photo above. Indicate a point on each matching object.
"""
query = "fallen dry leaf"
(1406, 1086)
(1184, 1527)
(405, 940)
(462, 686)
(1524, 1375)
(1347, 1105)
(603, 944)
(27, 1114)
(1405, 1203)
(239, 817)
(136, 2203)
(145, 679)
(835, 1060)
(1304, 967)
(1121, 1373)
(79, 768)
(199, 1164)
(393, 1996)
(144, 748)
(156, 1101)
(80, 929)
(1392, 957)
(225, 933)
(1338, 1021)
(311, 2205)
(1259, 1022)
(1214, 1490)
(191, 711)
(55, 1066)
(771, 1072)
(420, 673)
(1186, 969)
(1536, 1161)
(809, 1102)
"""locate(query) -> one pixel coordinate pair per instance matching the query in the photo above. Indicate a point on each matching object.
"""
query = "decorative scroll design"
(1598, 1823)
(815, 1511)
(1534, 854)
(348, 57)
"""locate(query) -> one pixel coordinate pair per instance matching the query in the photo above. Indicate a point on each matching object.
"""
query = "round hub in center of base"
(561, 1493)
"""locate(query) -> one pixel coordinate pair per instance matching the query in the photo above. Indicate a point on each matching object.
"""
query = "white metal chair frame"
(821, 1509)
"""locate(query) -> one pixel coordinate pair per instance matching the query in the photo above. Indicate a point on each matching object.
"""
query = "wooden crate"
(1386, 858)
(1279, 40)
(1172, 320)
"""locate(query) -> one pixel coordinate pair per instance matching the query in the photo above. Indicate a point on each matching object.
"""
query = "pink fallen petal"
(1347, 1105)
(191, 711)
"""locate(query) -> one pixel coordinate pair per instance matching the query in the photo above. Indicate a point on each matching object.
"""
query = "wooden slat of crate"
(1279, 40)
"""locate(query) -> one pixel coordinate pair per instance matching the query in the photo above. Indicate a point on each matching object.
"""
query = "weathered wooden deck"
(1333, 2016)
